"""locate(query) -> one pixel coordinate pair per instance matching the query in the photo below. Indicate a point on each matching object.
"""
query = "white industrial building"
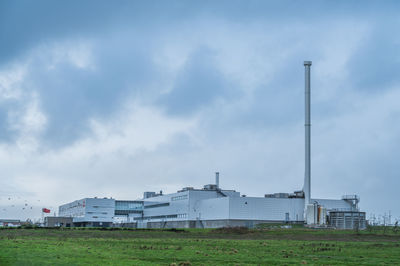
(96, 212)
(212, 206)
(209, 207)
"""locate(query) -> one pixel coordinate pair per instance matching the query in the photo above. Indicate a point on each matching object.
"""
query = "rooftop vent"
(149, 194)
(210, 187)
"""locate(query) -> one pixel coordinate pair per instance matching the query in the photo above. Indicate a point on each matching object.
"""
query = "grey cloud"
(198, 84)
(23, 24)
(377, 62)
(70, 96)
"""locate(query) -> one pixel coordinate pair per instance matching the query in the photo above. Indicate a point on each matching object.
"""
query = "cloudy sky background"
(102, 98)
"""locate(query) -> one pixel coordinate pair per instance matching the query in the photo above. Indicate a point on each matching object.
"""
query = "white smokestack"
(307, 176)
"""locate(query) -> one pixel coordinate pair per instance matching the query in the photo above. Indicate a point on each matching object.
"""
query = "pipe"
(217, 179)
(307, 176)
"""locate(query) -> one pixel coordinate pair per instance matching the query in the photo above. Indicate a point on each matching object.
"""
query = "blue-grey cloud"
(70, 95)
(198, 84)
(376, 62)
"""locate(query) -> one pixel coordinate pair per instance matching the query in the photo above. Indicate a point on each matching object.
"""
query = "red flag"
(45, 210)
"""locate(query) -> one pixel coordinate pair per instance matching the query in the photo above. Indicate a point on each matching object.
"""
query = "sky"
(114, 98)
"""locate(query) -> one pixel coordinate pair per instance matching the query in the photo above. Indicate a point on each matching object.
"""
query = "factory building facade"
(96, 212)
(210, 207)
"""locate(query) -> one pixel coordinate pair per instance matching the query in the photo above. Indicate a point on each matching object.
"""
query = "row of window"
(157, 205)
(66, 208)
(63, 208)
(182, 197)
(72, 214)
(126, 212)
(128, 205)
(157, 217)
(183, 215)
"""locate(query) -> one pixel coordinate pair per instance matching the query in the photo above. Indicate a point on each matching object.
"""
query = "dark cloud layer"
(24, 23)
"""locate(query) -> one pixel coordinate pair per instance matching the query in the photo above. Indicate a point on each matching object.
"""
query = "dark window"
(157, 217)
(157, 205)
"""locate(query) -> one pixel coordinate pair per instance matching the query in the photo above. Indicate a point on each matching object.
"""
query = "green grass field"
(198, 247)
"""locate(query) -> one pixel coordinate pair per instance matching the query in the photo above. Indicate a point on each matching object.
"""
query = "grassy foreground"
(197, 247)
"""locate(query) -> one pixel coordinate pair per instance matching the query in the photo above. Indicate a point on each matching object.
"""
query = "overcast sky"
(113, 98)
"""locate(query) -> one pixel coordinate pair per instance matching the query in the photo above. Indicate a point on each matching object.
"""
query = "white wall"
(186, 208)
(99, 210)
(73, 209)
(178, 205)
(270, 209)
(196, 198)
(213, 209)
(89, 210)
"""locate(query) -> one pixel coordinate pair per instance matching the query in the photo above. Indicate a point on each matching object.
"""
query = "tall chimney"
(217, 179)
(307, 176)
